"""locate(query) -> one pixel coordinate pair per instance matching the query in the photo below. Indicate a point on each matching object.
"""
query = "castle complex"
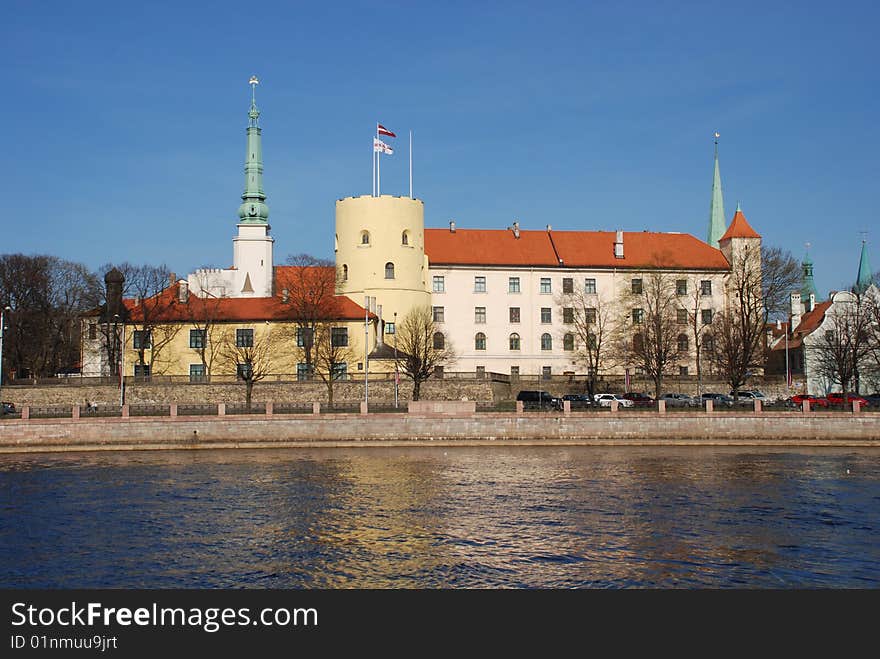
(503, 299)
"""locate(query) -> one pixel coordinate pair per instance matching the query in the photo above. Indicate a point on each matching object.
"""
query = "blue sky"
(125, 122)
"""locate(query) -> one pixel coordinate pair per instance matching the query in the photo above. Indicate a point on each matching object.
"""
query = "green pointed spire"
(717, 224)
(808, 286)
(863, 280)
(253, 209)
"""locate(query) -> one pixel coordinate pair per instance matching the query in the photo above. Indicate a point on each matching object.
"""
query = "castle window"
(439, 284)
(681, 286)
(439, 341)
(514, 314)
(93, 331)
(546, 315)
(142, 339)
(404, 238)
(589, 316)
(244, 338)
(638, 315)
(546, 342)
(479, 284)
(513, 284)
(389, 270)
(706, 287)
(339, 337)
(344, 272)
(682, 343)
(708, 343)
(567, 285)
(638, 344)
(198, 338)
(545, 285)
(568, 342)
(681, 316)
(480, 315)
(480, 341)
(514, 341)
(590, 286)
(568, 315)
(438, 314)
(365, 237)
(706, 316)
(637, 286)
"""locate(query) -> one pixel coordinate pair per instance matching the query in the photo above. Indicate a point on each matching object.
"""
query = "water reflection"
(467, 517)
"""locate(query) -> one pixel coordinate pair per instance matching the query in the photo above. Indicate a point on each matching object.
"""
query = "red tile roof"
(574, 248)
(165, 307)
(739, 228)
(810, 322)
(488, 247)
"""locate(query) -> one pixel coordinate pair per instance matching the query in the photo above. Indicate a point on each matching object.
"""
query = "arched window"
(514, 341)
(480, 341)
(568, 342)
(682, 343)
(638, 343)
(546, 342)
(344, 272)
(365, 237)
(389, 270)
(404, 238)
(439, 341)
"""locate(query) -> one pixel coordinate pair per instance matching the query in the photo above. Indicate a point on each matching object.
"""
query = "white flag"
(380, 147)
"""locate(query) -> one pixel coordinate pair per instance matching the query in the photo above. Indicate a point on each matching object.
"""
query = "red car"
(638, 399)
(815, 401)
(836, 398)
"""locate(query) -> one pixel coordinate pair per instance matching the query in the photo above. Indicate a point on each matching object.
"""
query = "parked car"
(7, 408)
(639, 399)
(578, 401)
(539, 400)
(815, 401)
(604, 400)
(678, 400)
(836, 398)
(749, 395)
(718, 400)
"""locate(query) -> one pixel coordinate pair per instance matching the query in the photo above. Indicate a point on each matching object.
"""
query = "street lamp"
(121, 360)
(2, 331)
(396, 368)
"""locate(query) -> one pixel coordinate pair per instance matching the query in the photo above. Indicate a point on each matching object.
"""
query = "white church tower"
(252, 271)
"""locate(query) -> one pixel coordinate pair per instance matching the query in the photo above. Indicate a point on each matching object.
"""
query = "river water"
(493, 517)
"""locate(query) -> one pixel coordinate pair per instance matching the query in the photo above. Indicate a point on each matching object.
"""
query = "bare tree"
(332, 353)
(309, 289)
(47, 295)
(252, 353)
(590, 322)
(421, 347)
(780, 274)
(738, 330)
(844, 344)
(647, 335)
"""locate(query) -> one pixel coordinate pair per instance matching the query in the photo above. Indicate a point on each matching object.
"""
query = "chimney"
(451, 226)
(183, 291)
(380, 328)
(172, 279)
(549, 228)
(797, 309)
(285, 295)
(516, 230)
(618, 245)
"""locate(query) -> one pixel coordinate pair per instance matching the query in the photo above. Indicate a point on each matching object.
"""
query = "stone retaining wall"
(633, 428)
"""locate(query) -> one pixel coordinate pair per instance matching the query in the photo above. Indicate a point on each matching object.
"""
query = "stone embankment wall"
(771, 387)
(330, 430)
(264, 392)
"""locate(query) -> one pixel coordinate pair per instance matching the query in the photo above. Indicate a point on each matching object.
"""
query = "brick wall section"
(769, 429)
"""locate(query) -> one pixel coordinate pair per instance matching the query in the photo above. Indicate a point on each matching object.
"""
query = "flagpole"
(378, 167)
(373, 180)
(410, 165)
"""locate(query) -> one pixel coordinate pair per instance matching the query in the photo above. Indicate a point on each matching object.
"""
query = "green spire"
(808, 287)
(863, 280)
(253, 209)
(716, 208)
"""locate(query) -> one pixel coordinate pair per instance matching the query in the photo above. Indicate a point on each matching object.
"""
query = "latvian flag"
(381, 130)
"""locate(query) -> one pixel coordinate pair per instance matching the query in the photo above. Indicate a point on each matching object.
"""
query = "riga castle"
(498, 295)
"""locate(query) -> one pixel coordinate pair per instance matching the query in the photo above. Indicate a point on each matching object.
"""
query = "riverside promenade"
(452, 423)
